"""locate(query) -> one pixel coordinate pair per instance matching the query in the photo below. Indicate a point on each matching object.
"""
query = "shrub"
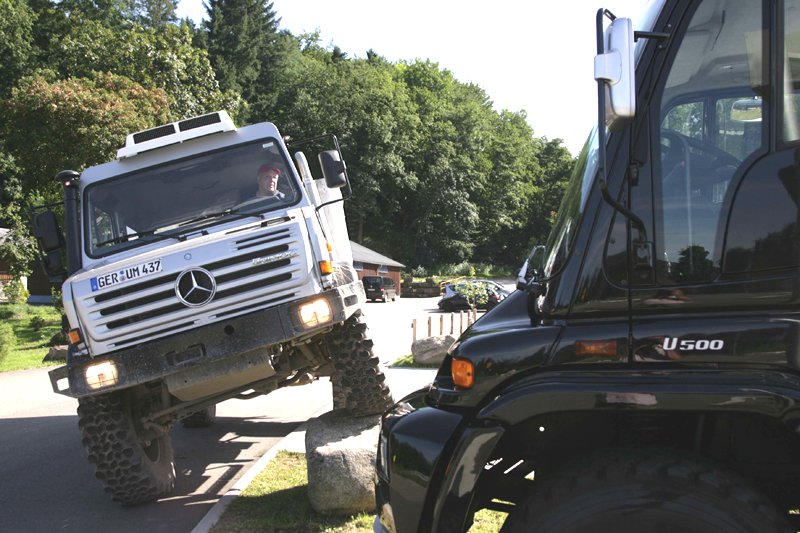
(6, 312)
(38, 322)
(16, 292)
(58, 301)
(419, 272)
(7, 340)
(59, 339)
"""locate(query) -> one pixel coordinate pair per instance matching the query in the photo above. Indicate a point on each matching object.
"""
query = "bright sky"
(532, 55)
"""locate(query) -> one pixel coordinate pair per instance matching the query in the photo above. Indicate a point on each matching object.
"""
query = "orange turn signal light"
(326, 267)
(74, 336)
(463, 373)
(596, 348)
(330, 248)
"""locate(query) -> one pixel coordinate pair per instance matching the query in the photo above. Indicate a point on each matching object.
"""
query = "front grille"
(155, 133)
(140, 312)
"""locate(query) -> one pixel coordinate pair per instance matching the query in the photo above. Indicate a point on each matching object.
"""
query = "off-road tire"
(359, 384)
(131, 473)
(648, 489)
(200, 419)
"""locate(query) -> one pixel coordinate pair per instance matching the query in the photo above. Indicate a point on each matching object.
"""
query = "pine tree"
(241, 41)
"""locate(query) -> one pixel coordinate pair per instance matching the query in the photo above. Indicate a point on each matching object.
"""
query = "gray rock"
(340, 455)
(56, 353)
(432, 350)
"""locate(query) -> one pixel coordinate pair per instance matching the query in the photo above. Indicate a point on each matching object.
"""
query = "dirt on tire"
(129, 471)
(358, 380)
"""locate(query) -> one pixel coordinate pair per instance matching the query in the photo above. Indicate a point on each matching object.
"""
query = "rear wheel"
(131, 467)
(448, 307)
(645, 490)
(359, 384)
(201, 419)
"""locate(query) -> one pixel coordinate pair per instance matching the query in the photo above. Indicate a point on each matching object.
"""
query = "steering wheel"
(721, 156)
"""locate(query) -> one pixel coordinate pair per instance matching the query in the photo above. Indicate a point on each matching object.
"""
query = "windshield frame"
(177, 232)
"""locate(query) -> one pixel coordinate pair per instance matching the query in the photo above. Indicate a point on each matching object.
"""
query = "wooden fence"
(464, 320)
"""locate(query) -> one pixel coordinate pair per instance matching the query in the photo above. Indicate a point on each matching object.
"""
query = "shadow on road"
(47, 484)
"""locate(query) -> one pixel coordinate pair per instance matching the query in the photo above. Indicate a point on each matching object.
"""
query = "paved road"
(47, 485)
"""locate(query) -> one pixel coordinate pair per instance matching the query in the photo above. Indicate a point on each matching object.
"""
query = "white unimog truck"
(202, 265)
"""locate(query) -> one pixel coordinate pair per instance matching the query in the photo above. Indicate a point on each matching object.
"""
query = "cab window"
(710, 123)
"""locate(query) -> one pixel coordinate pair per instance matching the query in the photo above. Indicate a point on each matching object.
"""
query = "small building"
(370, 263)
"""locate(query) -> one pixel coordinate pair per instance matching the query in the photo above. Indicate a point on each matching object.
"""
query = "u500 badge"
(673, 343)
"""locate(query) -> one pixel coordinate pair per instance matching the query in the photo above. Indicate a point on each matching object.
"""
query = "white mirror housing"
(616, 69)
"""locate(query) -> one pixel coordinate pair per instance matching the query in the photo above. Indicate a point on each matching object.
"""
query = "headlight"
(315, 313)
(101, 375)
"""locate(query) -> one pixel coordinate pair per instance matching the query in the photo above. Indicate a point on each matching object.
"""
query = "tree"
(242, 36)
(155, 59)
(16, 43)
(155, 13)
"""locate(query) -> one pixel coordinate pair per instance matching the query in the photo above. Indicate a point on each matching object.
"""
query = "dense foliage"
(439, 176)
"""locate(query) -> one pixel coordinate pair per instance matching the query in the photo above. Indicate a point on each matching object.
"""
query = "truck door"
(725, 161)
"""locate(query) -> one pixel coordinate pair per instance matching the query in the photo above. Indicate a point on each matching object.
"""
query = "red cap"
(266, 168)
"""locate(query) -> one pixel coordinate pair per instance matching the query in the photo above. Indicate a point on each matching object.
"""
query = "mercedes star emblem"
(195, 287)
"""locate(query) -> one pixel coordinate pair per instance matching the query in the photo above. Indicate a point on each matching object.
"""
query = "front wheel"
(645, 490)
(359, 384)
(132, 469)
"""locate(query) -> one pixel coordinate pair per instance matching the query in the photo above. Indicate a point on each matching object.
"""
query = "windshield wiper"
(129, 236)
(209, 215)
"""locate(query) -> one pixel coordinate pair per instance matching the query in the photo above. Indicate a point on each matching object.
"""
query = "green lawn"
(31, 345)
(277, 501)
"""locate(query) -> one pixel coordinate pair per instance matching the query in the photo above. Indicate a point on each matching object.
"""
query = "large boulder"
(56, 353)
(340, 455)
(431, 350)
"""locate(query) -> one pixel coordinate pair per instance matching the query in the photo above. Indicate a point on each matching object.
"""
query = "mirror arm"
(650, 35)
(624, 210)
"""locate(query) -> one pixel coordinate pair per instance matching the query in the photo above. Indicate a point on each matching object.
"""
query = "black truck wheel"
(200, 419)
(645, 490)
(359, 384)
(132, 470)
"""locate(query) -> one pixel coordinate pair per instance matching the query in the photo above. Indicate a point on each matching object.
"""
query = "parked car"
(457, 300)
(453, 288)
(380, 288)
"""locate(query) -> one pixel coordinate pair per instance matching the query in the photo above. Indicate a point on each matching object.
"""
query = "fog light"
(101, 375)
(315, 313)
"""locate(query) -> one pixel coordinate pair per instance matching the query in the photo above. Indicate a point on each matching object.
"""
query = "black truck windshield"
(176, 198)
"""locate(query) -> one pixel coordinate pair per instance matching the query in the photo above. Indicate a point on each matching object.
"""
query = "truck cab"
(653, 339)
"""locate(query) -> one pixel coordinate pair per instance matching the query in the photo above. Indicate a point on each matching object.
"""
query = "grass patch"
(277, 502)
(407, 361)
(33, 326)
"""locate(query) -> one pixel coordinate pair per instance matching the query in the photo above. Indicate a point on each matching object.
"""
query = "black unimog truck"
(646, 374)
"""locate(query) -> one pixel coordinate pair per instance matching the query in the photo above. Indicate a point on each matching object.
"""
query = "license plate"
(126, 274)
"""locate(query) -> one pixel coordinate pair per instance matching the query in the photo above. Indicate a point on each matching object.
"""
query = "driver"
(267, 179)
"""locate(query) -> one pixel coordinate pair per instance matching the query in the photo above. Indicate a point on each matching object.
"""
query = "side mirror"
(51, 242)
(333, 168)
(615, 68)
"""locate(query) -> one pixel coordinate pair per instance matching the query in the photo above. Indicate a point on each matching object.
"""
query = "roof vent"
(176, 132)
